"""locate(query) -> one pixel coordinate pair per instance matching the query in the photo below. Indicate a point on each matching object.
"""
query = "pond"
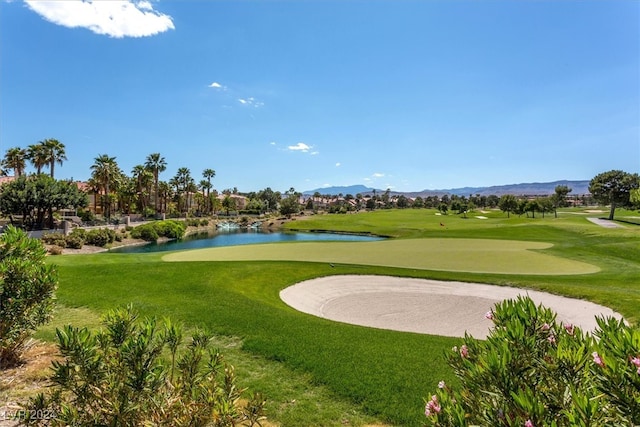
(241, 237)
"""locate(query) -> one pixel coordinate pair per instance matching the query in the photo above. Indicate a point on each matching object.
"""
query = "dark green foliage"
(118, 377)
(27, 286)
(532, 370)
(35, 197)
(100, 237)
(154, 230)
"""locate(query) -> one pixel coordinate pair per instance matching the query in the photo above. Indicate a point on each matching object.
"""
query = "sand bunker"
(424, 306)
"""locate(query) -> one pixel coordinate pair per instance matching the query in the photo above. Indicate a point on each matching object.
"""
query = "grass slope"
(383, 372)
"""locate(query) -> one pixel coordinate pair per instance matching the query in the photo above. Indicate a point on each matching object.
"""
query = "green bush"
(534, 371)
(117, 377)
(74, 241)
(145, 232)
(27, 286)
(57, 239)
(79, 232)
(100, 237)
(154, 230)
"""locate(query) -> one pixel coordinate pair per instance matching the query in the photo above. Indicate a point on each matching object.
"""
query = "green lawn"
(318, 372)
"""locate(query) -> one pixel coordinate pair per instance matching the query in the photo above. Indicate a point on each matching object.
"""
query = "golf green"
(464, 255)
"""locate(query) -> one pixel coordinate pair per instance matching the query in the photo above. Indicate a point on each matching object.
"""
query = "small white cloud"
(338, 164)
(114, 18)
(273, 143)
(378, 175)
(300, 146)
(216, 85)
(251, 102)
(315, 153)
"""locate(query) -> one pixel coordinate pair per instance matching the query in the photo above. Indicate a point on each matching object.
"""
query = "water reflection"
(241, 236)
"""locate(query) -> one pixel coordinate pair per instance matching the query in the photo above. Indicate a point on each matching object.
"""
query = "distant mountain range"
(525, 189)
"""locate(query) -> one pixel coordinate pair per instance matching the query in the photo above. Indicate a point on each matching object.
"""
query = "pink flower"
(441, 384)
(597, 359)
(528, 423)
(636, 361)
(432, 407)
(546, 327)
(552, 339)
(569, 328)
(464, 351)
(489, 315)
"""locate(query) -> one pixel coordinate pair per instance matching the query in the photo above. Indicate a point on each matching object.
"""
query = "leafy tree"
(27, 286)
(229, 203)
(290, 205)
(534, 371)
(15, 158)
(614, 188)
(508, 203)
(33, 197)
(559, 198)
(118, 377)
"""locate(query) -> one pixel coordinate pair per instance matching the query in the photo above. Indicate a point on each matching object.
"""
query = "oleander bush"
(57, 239)
(534, 371)
(27, 286)
(136, 372)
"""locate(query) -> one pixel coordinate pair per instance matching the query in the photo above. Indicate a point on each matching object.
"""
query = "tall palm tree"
(15, 158)
(156, 164)
(37, 155)
(208, 174)
(54, 152)
(105, 170)
(142, 178)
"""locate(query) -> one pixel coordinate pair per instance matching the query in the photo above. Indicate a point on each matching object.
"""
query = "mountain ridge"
(578, 187)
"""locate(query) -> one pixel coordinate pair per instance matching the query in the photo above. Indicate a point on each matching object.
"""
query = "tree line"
(37, 196)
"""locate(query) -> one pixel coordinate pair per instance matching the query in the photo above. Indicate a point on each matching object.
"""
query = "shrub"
(100, 237)
(74, 241)
(154, 230)
(534, 371)
(55, 250)
(146, 232)
(27, 286)
(57, 239)
(117, 377)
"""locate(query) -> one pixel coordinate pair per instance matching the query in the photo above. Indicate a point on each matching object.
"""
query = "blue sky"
(400, 94)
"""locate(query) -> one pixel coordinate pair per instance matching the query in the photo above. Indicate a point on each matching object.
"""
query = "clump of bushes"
(57, 239)
(100, 237)
(75, 240)
(534, 371)
(118, 376)
(194, 222)
(154, 230)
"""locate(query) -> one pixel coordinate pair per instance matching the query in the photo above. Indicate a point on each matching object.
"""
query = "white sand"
(424, 306)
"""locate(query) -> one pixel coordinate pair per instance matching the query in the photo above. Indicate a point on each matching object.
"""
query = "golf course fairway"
(443, 254)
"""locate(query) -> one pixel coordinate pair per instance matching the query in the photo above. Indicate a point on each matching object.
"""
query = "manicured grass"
(468, 255)
(384, 373)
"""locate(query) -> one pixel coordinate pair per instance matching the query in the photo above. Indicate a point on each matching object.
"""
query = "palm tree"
(208, 174)
(105, 171)
(156, 164)
(182, 181)
(37, 155)
(15, 158)
(164, 194)
(54, 152)
(142, 178)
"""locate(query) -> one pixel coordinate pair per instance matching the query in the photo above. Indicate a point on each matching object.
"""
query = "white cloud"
(251, 102)
(216, 85)
(273, 143)
(378, 175)
(300, 146)
(338, 164)
(114, 18)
